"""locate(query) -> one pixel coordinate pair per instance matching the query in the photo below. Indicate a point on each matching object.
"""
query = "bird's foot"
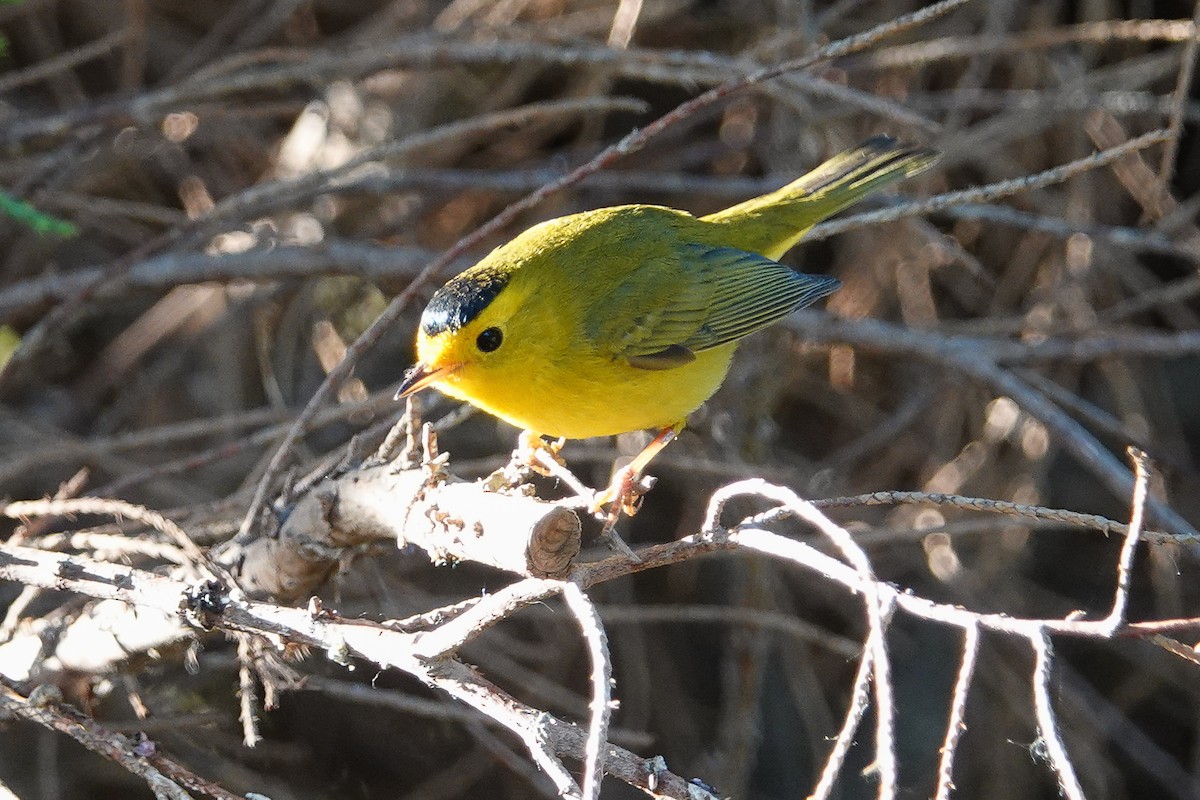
(533, 452)
(624, 494)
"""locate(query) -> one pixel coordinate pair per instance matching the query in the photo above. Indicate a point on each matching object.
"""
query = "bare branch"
(956, 724)
(1116, 617)
(247, 696)
(1187, 70)
(162, 775)
(386, 647)
(601, 703)
(991, 191)
(988, 505)
(1056, 751)
(944, 351)
(116, 508)
(429, 653)
(860, 701)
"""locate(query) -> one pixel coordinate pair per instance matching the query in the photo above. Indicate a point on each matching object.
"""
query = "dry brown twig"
(165, 777)
(976, 363)
(1179, 97)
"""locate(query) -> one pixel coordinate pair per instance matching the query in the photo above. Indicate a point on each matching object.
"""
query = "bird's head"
(463, 328)
(487, 335)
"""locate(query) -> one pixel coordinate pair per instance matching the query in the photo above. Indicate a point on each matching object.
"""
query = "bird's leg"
(532, 449)
(625, 490)
(533, 455)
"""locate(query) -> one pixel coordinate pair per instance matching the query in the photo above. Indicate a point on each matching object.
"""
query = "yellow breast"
(592, 397)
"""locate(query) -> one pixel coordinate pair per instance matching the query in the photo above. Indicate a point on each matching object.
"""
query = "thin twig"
(956, 723)
(991, 191)
(65, 61)
(601, 679)
(489, 611)
(51, 714)
(1103, 32)
(1116, 617)
(116, 508)
(890, 338)
(988, 505)
(1056, 751)
(12, 614)
(1183, 85)
(878, 610)
(860, 700)
(331, 257)
(247, 695)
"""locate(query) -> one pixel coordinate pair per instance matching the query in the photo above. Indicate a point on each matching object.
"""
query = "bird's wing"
(749, 292)
(711, 296)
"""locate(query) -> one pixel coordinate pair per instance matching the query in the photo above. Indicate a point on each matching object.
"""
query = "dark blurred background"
(250, 182)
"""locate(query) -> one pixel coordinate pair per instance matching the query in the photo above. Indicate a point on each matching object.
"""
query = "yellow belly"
(594, 397)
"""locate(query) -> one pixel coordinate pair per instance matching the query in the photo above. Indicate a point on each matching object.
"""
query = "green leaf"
(29, 216)
(9, 341)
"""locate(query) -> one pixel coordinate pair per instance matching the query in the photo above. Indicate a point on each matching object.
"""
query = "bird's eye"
(489, 340)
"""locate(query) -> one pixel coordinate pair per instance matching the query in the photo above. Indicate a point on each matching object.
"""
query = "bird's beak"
(419, 376)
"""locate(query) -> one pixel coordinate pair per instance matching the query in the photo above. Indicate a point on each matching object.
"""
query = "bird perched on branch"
(626, 318)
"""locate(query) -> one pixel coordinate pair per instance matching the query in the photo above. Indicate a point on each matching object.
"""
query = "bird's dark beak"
(418, 377)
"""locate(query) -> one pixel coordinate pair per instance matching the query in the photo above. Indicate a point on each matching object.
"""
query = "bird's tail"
(773, 223)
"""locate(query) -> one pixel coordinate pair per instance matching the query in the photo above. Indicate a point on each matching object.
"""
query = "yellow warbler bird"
(626, 318)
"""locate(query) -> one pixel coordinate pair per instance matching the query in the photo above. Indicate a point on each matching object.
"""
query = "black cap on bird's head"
(461, 300)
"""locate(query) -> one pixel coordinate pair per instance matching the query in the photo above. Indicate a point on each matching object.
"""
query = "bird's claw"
(622, 496)
(532, 448)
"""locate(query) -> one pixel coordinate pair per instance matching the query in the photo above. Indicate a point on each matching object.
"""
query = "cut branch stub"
(459, 521)
(450, 519)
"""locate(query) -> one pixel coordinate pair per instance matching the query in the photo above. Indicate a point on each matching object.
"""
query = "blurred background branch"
(204, 205)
